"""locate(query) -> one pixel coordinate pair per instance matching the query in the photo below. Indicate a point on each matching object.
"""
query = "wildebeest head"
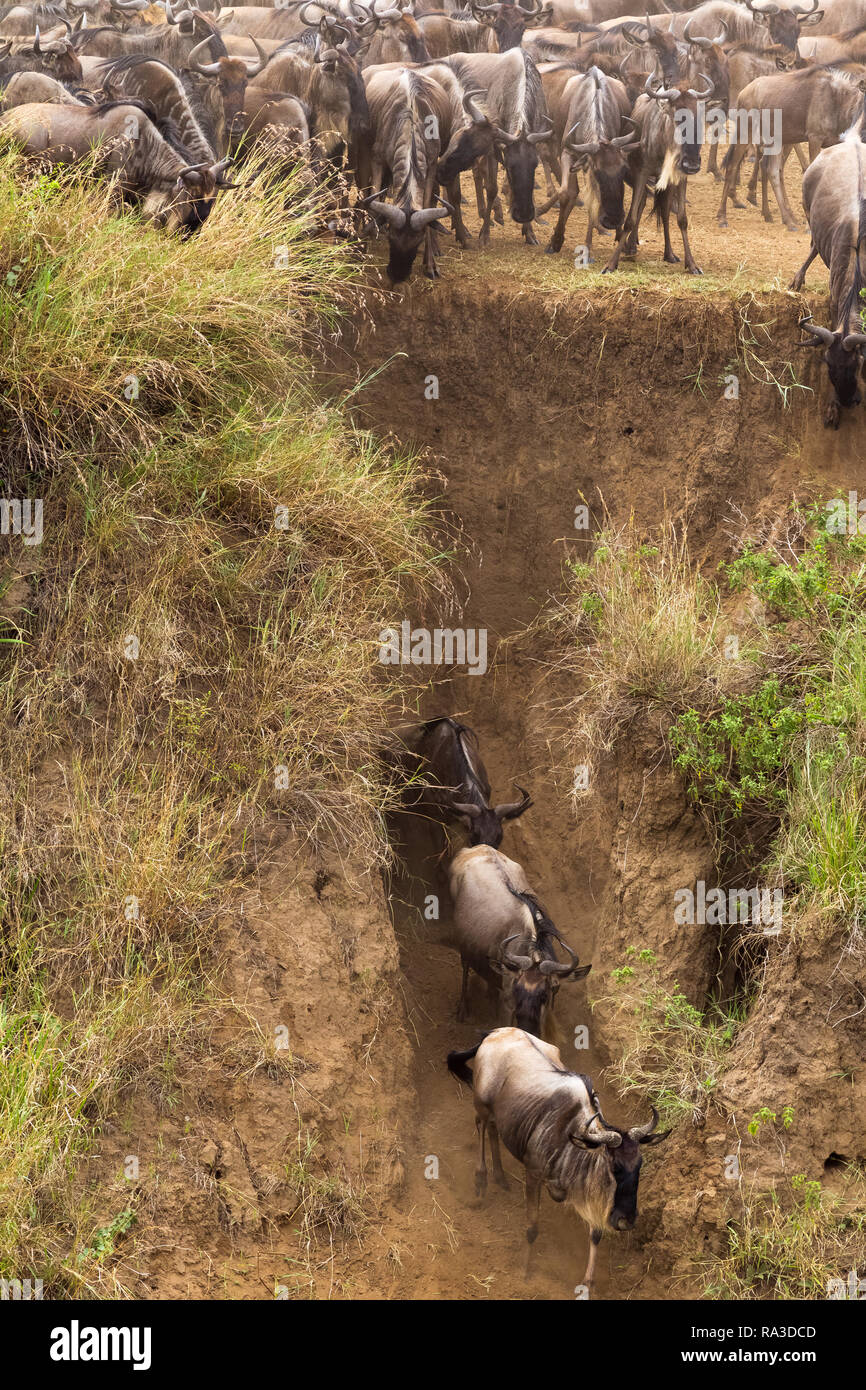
(669, 51)
(784, 24)
(186, 206)
(406, 227)
(536, 976)
(232, 76)
(517, 152)
(608, 165)
(709, 56)
(843, 356)
(508, 21)
(683, 106)
(622, 1152)
(484, 823)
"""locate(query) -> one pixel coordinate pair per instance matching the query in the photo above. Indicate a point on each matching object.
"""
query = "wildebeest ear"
(655, 1138)
(580, 973)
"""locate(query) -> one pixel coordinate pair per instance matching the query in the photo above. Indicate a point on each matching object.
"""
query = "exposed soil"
(554, 388)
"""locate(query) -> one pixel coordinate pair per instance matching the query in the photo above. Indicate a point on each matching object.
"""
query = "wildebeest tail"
(457, 1063)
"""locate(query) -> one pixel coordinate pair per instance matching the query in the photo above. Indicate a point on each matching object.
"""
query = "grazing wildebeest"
(408, 114)
(815, 104)
(171, 192)
(670, 150)
(551, 1121)
(509, 121)
(445, 760)
(587, 117)
(493, 907)
(834, 197)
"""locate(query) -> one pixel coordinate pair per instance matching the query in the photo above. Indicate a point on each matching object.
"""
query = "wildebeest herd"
(549, 1118)
(389, 103)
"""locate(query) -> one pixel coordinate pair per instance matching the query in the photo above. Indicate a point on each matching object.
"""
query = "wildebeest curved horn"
(801, 13)
(556, 967)
(205, 69)
(509, 809)
(36, 48)
(537, 136)
(471, 109)
(641, 1131)
(218, 171)
(424, 216)
(763, 10)
(257, 65)
(489, 9)
(169, 13)
(854, 340)
(603, 1135)
(535, 8)
(627, 139)
(820, 334)
(711, 87)
(660, 93)
(504, 137)
(463, 808)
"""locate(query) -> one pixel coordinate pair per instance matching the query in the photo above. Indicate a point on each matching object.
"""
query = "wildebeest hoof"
(531, 1236)
(751, 198)
(672, 258)
(738, 203)
(722, 221)
(551, 250)
(694, 270)
(832, 416)
(502, 1181)
(480, 1184)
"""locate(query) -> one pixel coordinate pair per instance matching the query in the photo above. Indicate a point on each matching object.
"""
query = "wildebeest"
(814, 104)
(329, 81)
(171, 192)
(494, 907)
(509, 121)
(444, 757)
(408, 114)
(670, 150)
(834, 197)
(587, 116)
(550, 1119)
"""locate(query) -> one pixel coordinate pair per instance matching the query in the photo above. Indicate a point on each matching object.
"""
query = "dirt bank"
(609, 398)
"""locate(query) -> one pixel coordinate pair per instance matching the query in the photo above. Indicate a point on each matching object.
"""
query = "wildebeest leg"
(498, 1171)
(460, 231)
(774, 172)
(547, 166)
(461, 1003)
(665, 200)
(735, 156)
(529, 235)
(631, 224)
(481, 1170)
(490, 192)
(567, 200)
(533, 1202)
(559, 194)
(804, 162)
(752, 195)
(815, 144)
(713, 162)
(632, 240)
(765, 200)
(797, 282)
(478, 180)
(594, 1241)
(683, 224)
